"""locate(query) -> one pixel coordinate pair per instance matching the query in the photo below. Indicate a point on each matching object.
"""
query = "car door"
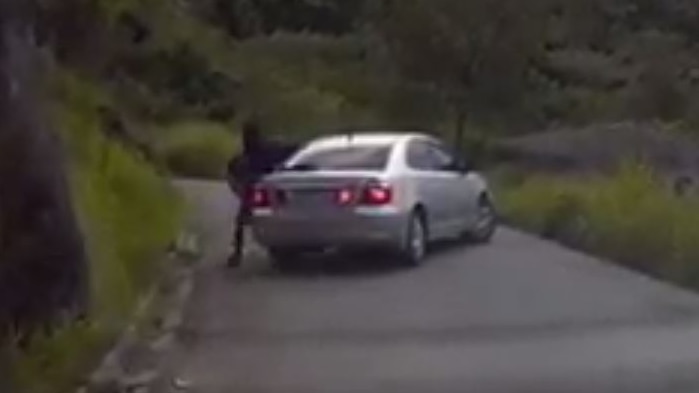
(434, 186)
(455, 189)
(426, 183)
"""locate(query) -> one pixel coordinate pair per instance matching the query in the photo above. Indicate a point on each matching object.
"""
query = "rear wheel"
(414, 249)
(486, 222)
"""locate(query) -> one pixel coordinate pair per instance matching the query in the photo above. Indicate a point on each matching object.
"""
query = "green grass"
(197, 149)
(58, 363)
(129, 215)
(631, 217)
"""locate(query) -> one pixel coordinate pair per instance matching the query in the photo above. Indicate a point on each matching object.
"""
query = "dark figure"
(258, 158)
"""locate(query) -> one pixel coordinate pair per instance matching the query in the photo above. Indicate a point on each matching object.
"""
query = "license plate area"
(310, 199)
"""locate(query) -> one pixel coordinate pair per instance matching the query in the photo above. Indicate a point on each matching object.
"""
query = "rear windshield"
(350, 158)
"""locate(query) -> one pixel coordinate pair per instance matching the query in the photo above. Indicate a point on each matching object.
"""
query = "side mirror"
(460, 166)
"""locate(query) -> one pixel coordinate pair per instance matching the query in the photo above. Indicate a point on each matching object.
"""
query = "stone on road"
(519, 315)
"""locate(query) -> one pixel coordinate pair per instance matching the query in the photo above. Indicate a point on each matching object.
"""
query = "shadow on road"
(368, 263)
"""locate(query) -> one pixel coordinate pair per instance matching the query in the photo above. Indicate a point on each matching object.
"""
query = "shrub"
(537, 204)
(116, 200)
(508, 177)
(631, 217)
(56, 364)
(197, 149)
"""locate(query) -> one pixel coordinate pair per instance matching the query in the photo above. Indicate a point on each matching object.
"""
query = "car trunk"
(315, 192)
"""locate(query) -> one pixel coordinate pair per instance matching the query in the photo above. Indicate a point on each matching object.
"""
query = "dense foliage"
(501, 65)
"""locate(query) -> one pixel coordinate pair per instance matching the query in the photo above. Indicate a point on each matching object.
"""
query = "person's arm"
(278, 153)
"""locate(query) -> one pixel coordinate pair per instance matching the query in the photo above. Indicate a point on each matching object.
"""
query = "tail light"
(377, 195)
(345, 196)
(373, 194)
(267, 197)
(261, 198)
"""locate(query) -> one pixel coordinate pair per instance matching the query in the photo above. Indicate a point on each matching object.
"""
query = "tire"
(414, 248)
(487, 222)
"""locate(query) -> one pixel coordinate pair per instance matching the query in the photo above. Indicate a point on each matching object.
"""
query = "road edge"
(150, 335)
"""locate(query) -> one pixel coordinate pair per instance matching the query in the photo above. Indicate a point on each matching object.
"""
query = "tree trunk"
(460, 129)
(43, 267)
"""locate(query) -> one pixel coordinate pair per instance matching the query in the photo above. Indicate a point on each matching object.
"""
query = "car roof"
(366, 138)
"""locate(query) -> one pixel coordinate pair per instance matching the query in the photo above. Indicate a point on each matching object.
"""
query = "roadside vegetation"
(196, 149)
(630, 216)
(116, 192)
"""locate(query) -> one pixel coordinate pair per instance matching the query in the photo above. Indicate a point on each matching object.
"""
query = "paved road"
(520, 315)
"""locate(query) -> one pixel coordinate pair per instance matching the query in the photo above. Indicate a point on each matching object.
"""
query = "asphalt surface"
(519, 315)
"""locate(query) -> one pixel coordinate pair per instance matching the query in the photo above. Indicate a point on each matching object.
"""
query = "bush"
(116, 200)
(197, 149)
(631, 217)
(541, 205)
(56, 364)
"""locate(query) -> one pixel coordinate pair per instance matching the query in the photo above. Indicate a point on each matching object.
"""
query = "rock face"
(43, 267)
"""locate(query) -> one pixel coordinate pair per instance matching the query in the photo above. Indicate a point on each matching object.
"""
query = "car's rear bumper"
(368, 228)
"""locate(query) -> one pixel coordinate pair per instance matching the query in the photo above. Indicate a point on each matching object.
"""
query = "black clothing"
(244, 171)
(253, 164)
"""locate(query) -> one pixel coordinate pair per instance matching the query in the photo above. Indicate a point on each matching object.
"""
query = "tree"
(658, 92)
(43, 267)
(474, 53)
(245, 18)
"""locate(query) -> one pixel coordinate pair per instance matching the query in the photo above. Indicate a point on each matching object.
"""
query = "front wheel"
(486, 222)
(414, 248)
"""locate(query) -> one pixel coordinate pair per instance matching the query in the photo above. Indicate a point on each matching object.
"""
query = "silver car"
(394, 191)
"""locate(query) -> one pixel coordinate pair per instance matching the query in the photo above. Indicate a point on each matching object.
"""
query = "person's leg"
(238, 238)
(242, 219)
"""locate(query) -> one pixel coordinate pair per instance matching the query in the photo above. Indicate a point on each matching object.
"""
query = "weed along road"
(519, 315)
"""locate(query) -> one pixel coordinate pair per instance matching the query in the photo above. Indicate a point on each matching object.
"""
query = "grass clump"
(197, 149)
(631, 217)
(57, 364)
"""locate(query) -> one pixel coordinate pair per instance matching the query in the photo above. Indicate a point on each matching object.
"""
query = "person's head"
(252, 137)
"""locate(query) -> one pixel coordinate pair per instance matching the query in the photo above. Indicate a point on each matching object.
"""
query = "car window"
(441, 157)
(420, 156)
(345, 158)
(428, 156)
